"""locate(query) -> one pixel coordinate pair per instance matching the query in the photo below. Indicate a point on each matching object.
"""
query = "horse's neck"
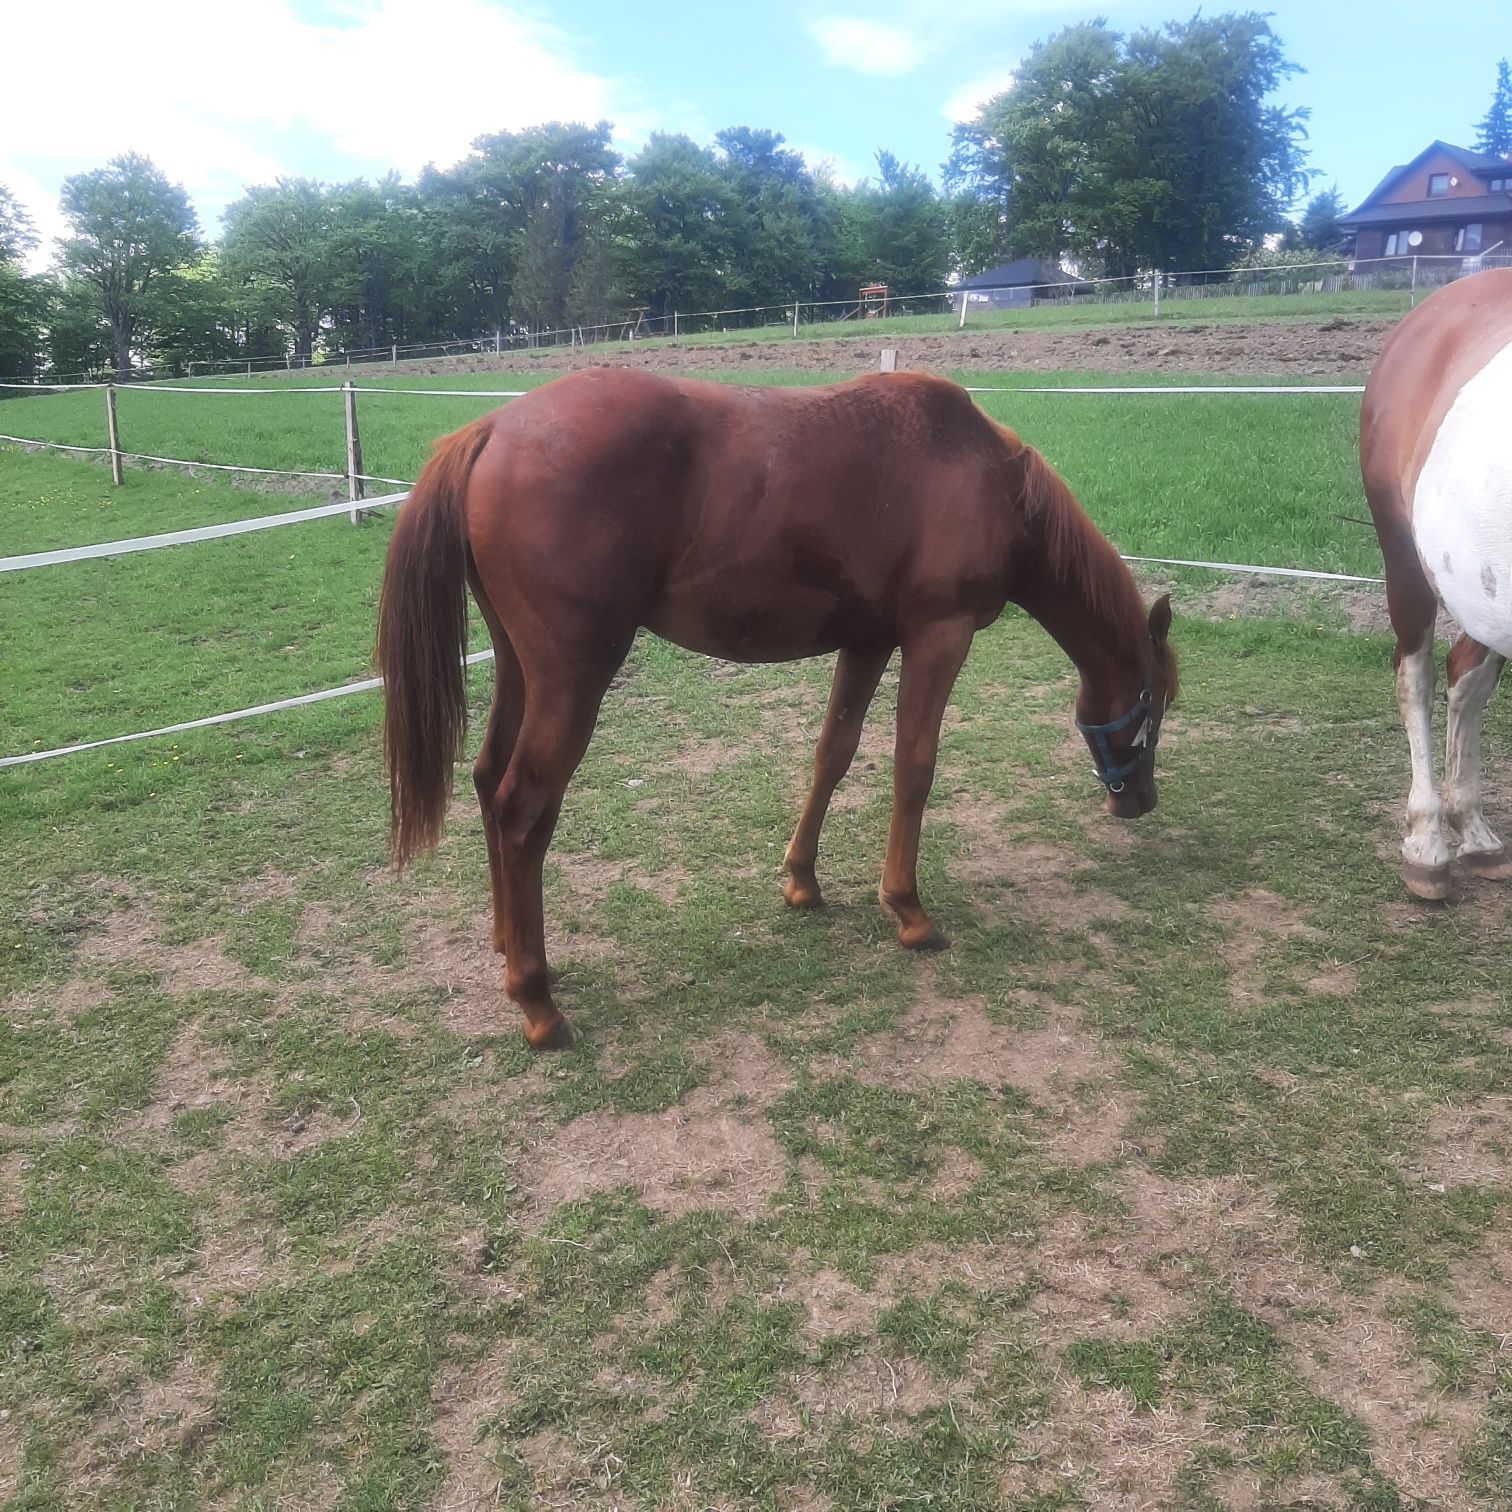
(1093, 613)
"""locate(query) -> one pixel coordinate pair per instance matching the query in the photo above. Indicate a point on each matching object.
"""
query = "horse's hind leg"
(561, 708)
(857, 674)
(931, 662)
(1414, 609)
(1473, 673)
(493, 761)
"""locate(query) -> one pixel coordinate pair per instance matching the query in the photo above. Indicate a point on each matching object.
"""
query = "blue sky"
(227, 92)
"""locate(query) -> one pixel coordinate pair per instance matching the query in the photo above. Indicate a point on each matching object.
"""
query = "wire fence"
(356, 506)
(967, 302)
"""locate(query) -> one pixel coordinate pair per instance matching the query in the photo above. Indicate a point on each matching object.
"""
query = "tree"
(18, 234)
(284, 239)
(682, 234)
(777, 220)
(1159, 150)
(131, 227)
(1319, 227)
(1494, 133)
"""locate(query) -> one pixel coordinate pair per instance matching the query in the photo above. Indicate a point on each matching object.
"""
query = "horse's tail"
(422, 640)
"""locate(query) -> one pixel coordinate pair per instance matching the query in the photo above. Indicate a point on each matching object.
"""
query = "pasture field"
(1183, 1179)
(1238, 478)
(1175, 309)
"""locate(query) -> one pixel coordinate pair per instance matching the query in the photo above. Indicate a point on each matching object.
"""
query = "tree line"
(1109, 154)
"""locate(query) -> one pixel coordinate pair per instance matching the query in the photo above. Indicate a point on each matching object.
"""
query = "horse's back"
(1434, 448)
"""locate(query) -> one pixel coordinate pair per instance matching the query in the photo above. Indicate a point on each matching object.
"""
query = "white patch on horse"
(1462, 507)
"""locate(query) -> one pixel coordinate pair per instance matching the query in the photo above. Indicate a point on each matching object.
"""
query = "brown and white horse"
(757, 524)
(1436, 454)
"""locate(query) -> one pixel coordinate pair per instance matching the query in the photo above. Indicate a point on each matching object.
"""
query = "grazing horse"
(1434, 454)
(755, 524)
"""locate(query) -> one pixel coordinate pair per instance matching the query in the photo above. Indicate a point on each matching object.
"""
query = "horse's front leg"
(1474, 671)
(932, 659)
(857, 674)
(1425, 854)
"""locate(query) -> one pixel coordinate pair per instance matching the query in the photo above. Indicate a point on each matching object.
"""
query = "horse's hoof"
(551, 1034)
(1430, 883)
(1494, 866)
(798, 894)
(926, 939)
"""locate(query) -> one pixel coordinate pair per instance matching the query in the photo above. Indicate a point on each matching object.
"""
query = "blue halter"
(1108, 772)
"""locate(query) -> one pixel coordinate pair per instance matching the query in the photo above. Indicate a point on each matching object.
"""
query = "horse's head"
(1121, 721)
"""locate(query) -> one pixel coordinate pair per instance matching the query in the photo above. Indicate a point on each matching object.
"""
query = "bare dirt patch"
(1021, 878)
(714, 1149)
(1257, 921)
(130, 938)
(1469, 1146)
(467, 1400)
(1113, 1453)
(1296, 348)
(1061, 1065)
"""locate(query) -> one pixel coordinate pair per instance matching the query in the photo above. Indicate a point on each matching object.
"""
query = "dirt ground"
(1333, 348)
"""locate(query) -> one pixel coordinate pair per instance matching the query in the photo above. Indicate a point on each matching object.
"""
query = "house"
(1447, 200)
(1016, 283)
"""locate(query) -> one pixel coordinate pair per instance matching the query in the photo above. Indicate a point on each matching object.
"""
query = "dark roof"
(1466, 207)
(1016, 275)
(1479, 163)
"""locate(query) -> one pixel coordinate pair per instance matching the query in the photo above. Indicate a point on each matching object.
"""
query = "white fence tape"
(1244, 568)
(345, 690)
(202, 533)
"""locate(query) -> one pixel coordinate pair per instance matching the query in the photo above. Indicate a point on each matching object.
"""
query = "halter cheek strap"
(1111, 773)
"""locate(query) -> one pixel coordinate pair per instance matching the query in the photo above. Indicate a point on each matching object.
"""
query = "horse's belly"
(1462, 507)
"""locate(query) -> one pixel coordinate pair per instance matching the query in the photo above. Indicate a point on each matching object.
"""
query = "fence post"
(353, 448)
(288, 363)
(889, 360)
(795, 317)
(965, 300)
(115, 434)
(394, 352)
(1412, 296)
(249, 367)
(674, 328)
(496, 341)
(1157, 293)
(191, 368)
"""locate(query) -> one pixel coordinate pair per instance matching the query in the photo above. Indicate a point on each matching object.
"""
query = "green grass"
(274, 1225)
(1238, 478)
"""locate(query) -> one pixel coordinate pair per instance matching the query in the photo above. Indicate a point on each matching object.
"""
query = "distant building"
(1016, 283)
(1447, 200)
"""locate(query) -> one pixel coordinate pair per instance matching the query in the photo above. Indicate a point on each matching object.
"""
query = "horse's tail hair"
(422, 641)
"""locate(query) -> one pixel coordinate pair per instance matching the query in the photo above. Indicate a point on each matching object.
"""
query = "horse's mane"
(1075, 551)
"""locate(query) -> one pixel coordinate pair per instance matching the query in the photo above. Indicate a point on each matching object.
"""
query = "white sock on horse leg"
(1424, 844)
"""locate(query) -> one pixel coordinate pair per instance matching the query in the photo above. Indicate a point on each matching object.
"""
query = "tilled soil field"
(1323, 349)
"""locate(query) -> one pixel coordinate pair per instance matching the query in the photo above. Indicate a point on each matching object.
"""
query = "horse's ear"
(1160, 619)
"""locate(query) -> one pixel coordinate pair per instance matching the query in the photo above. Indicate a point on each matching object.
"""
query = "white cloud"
(964, 102)
(224, 95)
(869, 47)
(841, 170)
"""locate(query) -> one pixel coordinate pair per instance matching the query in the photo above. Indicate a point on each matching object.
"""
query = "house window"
(1397, 244)
(1438, 183)
(1468, 238)
(1497, 185)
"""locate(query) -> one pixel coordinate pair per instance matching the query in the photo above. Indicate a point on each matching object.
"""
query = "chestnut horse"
(755, 524)
(1434, 453)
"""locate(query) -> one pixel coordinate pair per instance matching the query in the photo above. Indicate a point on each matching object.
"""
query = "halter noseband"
(1112, 776)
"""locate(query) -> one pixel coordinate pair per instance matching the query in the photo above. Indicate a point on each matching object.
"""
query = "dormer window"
(1438, 184)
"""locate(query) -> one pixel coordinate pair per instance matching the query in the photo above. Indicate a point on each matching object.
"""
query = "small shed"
(1016, 283)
